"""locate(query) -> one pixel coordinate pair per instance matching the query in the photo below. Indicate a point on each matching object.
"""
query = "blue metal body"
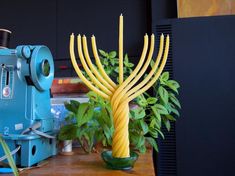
(26, 75)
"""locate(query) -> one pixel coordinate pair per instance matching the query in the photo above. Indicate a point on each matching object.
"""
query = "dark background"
(50, 22)
(201, 58)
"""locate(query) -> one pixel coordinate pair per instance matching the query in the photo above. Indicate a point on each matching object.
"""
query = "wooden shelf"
(88, 164)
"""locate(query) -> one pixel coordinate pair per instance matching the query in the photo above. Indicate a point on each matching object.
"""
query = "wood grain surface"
(88, 164)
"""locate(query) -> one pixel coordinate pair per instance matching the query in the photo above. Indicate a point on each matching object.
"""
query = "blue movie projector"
(26, 122)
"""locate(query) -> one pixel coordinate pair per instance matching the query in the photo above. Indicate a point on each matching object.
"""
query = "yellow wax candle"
(79, 72)
(120, 95)
(120, 49)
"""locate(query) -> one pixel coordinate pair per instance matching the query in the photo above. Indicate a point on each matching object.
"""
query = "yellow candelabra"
(119, 94)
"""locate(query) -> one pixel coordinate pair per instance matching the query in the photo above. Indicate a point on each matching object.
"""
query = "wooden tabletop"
(88, 164)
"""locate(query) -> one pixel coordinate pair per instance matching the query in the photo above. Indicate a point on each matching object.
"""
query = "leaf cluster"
(110, 63)
(156, 111)
(88, 122)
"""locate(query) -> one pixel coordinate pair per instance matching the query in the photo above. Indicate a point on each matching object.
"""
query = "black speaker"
(203, 62)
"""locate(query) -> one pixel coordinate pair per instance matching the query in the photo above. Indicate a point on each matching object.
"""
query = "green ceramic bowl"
(119, 163)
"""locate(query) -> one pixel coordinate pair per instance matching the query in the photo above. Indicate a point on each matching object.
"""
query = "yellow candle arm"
(122, 94)
(149, 76)
(144, 68)
(78, 71)
(120, 53)
(125, 99)
(156, 76)
(116, 95)
(84, 64)
(97, 59)
(92, 67)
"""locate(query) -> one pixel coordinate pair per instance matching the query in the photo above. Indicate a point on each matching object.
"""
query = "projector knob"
(26, 52)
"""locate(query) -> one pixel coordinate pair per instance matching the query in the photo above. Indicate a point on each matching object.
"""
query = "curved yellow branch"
(156, 76)
(122, 94)
(79, 73)
(92, 67)
(132, 75)
(84, 64)
(97, 59)
(144, 68)
(136, 90)
(142, 83)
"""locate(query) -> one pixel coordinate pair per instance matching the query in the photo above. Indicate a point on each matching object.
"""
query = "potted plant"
(149, 113)
(119, 94)
(77, 127)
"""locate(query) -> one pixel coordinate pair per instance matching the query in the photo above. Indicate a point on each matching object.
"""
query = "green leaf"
(141, 141)
(142, 101)
(134, 138)
(105, 62)
(116, 69)
(142, 149)
(112, 54)
(152, 100)
(144, 126)
(175, 111)
(138, 113)
(159, 131)
(160, 109)
(172, 84)
(167, 124)
(153, 132)
(107, 131)
(92, 96)
(164, 78)
(130, 65)
(68, 132)
(154, 123)
(156, 114)
(74, 103)
(174, 100)
(126, 59)
(103, 53)
(152, 142)
(9, 156)
(112, 61)
(71, 107)
(170, 117)
(85, 113)
(163, 94)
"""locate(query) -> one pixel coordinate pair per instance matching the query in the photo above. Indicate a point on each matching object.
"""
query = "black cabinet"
(203, 62)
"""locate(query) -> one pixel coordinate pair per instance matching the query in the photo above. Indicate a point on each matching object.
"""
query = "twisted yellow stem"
(120, 145)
